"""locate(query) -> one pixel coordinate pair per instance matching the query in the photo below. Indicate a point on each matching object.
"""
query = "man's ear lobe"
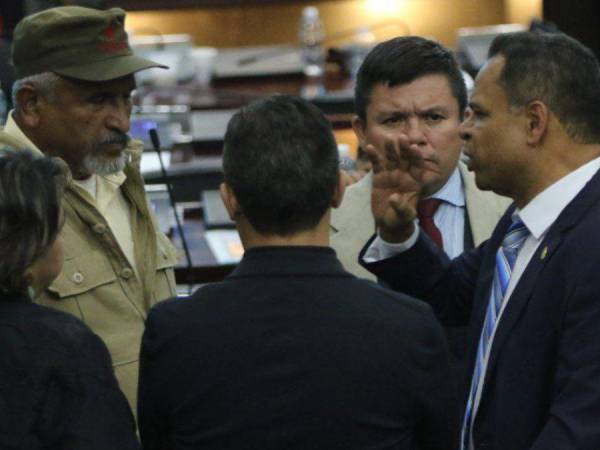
(28, 105)
(229, 200)
(538, 116)
(29, 276)
(340, 188)
(359, 130)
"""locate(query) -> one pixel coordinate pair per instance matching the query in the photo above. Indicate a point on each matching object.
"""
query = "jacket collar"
(12, 129)
(484, 208)
(289, 261)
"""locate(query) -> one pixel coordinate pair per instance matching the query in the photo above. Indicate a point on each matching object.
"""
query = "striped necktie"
(505, 261)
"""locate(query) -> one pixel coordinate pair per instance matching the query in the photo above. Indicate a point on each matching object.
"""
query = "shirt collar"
(541, 212)
(452, 192)
(13, 129)
(115, 180)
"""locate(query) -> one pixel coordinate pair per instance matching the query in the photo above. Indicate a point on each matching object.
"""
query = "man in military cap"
(75, 74)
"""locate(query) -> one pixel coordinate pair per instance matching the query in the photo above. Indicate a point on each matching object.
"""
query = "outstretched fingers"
(393, 155)
(404, 206)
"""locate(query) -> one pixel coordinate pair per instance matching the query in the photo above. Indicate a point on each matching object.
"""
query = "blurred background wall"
(233, 26)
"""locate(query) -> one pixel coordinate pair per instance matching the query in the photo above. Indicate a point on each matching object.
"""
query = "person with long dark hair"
(57, 387)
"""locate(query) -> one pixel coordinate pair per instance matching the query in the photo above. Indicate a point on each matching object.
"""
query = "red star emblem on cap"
(110, 32)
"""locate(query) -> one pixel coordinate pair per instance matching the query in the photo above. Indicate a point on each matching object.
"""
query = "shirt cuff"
(380, 249)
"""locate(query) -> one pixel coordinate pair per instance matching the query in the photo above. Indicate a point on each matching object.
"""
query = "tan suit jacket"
(352, 223)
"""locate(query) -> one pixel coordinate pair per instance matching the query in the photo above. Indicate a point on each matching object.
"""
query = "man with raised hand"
(411, 86)
(529, 293)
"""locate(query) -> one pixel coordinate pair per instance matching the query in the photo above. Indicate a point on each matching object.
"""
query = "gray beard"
(102, 166)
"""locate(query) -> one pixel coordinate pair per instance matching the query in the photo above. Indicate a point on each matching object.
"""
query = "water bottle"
(363, 42)
(311, 34)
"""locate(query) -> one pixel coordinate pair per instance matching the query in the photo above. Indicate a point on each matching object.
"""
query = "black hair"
(30, 217)
(402, 60)
(557, 70)
(281, 161)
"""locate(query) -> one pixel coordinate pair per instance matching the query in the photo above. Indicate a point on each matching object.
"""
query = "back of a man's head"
(402, 60)
(280, 160)
(557, 70)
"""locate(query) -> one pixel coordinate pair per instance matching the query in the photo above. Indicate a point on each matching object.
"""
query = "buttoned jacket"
(292, 352)
(542, 383)
(99, 285)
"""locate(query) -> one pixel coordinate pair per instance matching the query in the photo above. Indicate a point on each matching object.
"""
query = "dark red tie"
(425, 211)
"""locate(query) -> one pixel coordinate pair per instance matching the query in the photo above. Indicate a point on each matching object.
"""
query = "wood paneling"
(278, 23)
(138, 5)
(522, 11)
(579, 19)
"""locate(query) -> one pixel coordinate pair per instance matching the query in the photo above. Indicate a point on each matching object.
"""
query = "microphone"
(188, 259)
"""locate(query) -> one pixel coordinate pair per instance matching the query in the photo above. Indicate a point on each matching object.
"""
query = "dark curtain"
(577, 18)
(11, 11)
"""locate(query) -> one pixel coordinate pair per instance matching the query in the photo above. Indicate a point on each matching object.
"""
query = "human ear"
(359, 128)
(340, 188)
(29, 278)
(537, 116)
(28, 105)
(229, 200)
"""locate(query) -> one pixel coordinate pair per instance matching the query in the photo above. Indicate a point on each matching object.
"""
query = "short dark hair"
(281, 161)
(30, 191)
(402, 60)
(557, 70)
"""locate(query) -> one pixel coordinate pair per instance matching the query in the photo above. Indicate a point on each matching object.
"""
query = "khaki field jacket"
(98, 284)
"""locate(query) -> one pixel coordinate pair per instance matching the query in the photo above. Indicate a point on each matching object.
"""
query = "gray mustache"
(121, 139)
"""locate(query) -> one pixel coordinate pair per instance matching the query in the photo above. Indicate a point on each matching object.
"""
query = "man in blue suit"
(531, 292)
(291, 351)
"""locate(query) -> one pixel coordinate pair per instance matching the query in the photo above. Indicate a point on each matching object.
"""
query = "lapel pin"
(544, 253)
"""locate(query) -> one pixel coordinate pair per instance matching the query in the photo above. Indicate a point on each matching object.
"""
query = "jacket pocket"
(166, 253)
(82, 274)
(166, 259)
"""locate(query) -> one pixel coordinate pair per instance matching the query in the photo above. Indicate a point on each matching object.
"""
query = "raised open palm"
(397, 174)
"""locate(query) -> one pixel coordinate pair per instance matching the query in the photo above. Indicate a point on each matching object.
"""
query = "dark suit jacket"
(542, 387)
(57, 387)
(292, 352)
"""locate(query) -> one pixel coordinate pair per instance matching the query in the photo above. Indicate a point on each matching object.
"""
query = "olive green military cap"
(77, 42)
